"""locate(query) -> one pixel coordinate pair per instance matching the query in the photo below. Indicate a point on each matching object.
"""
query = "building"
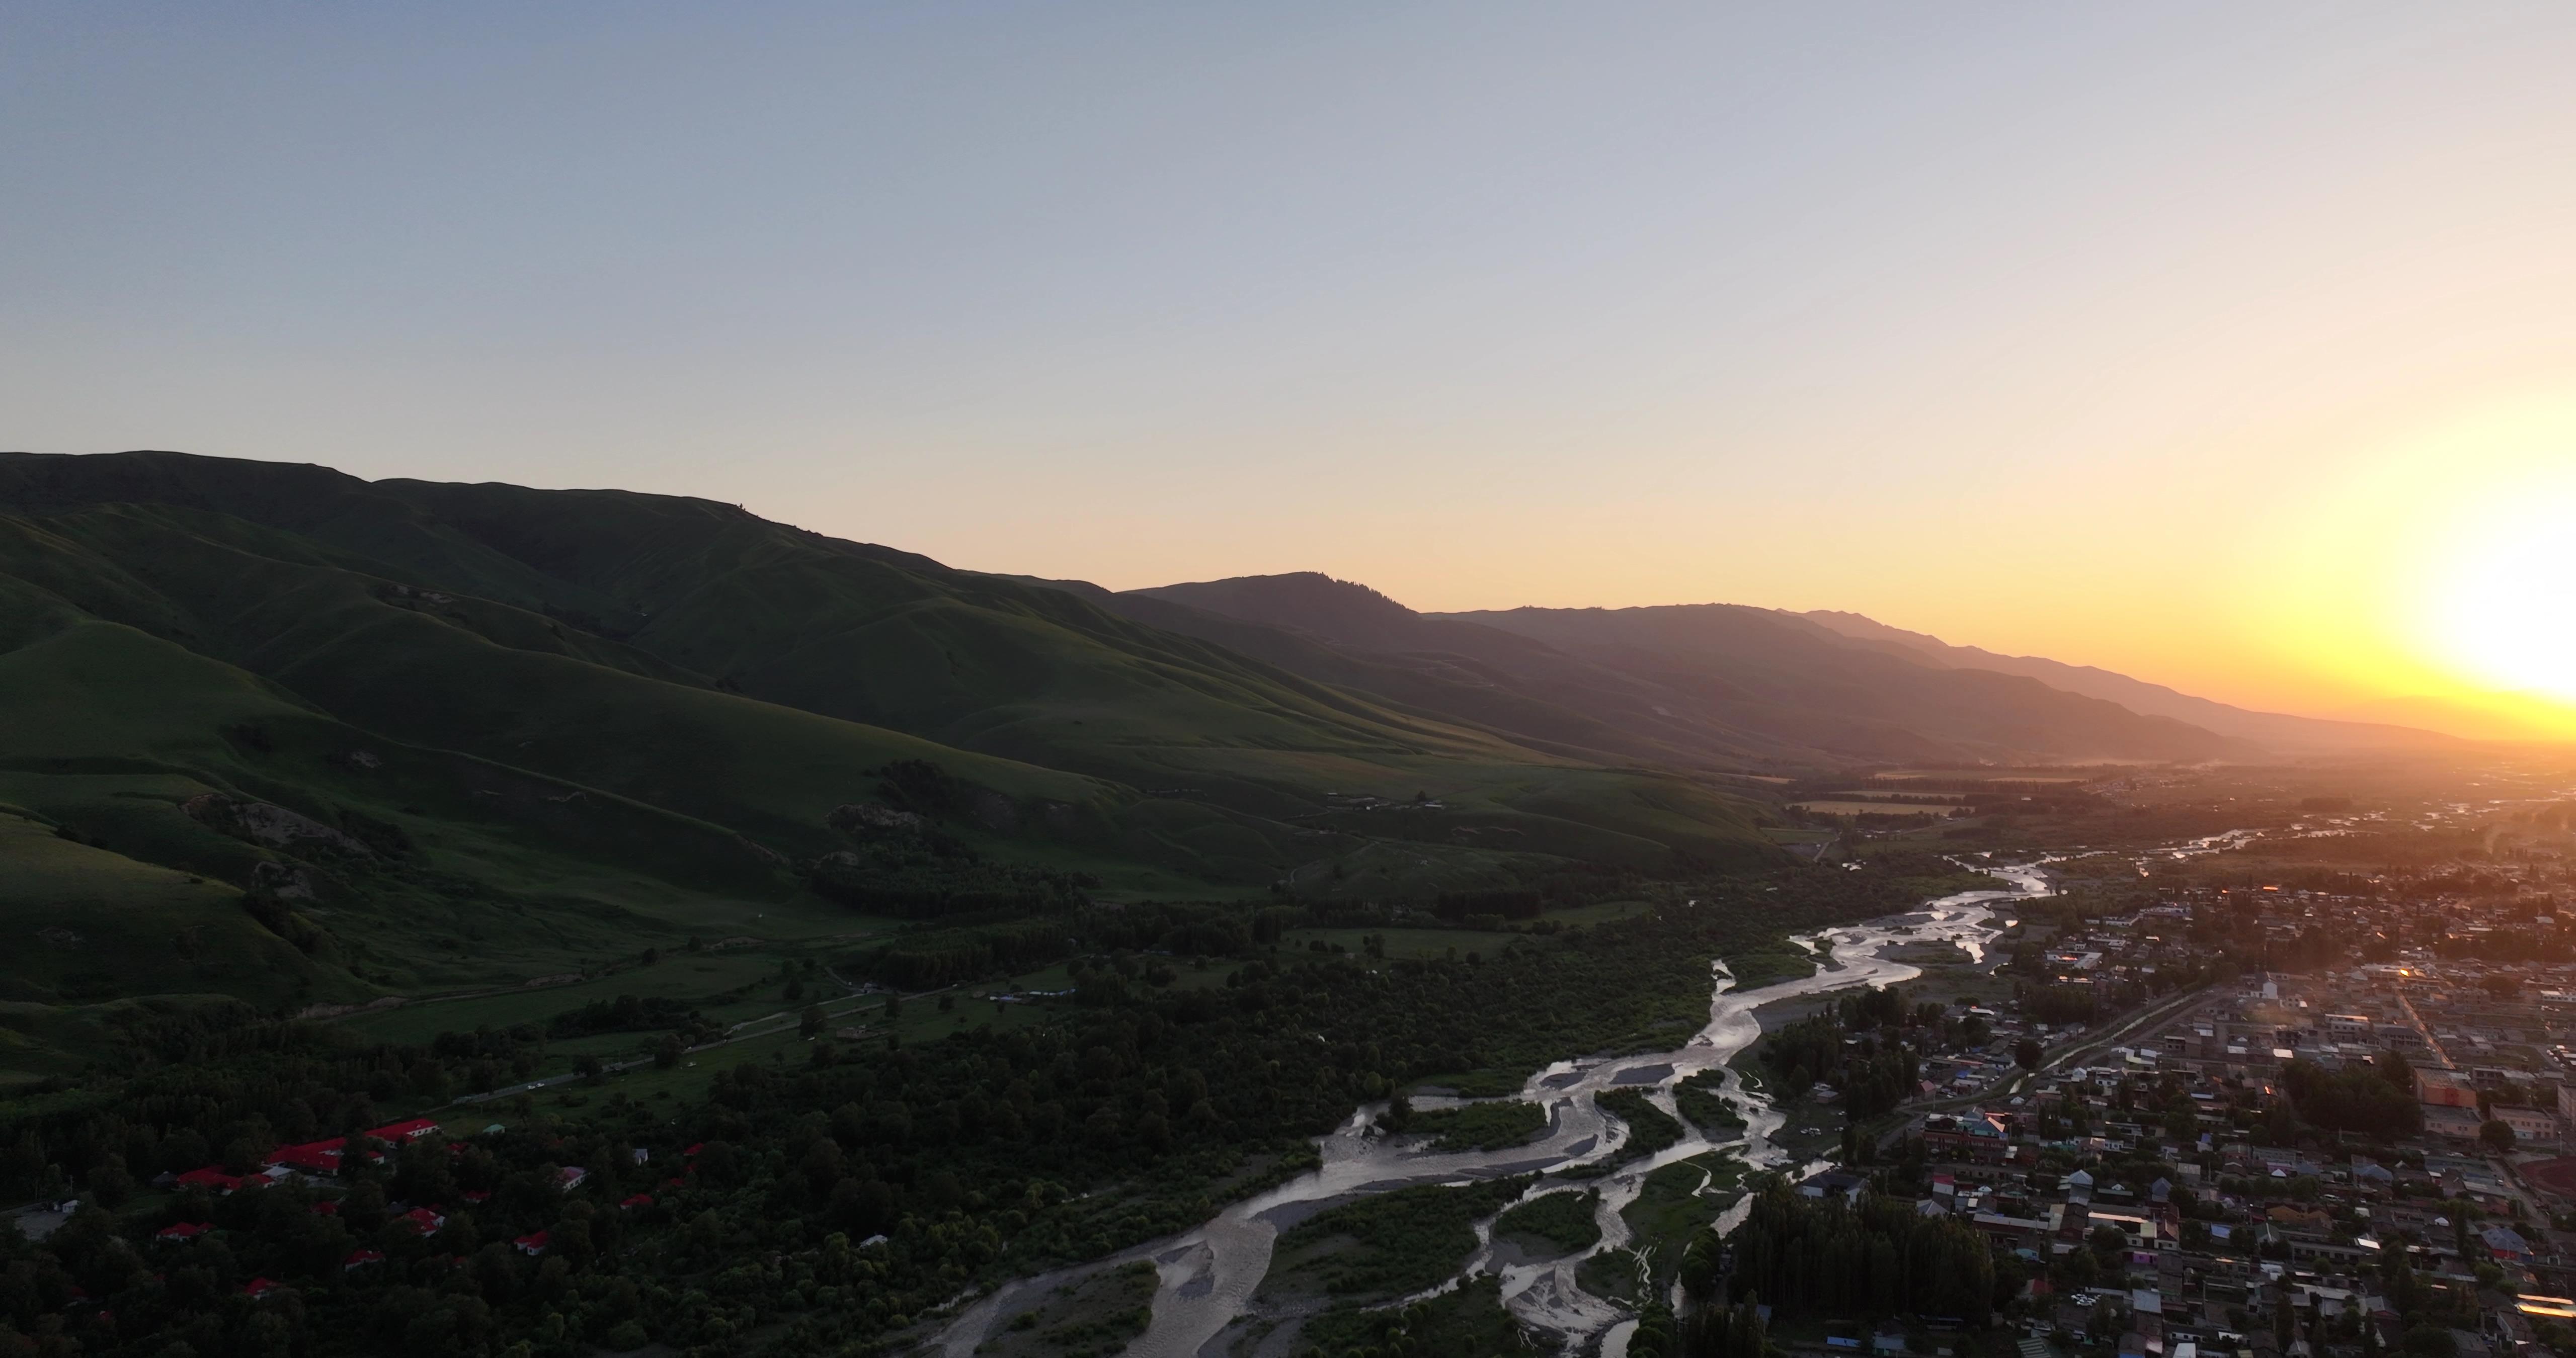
(1977, 1137)
(2442, 1089)
(2531, 1126)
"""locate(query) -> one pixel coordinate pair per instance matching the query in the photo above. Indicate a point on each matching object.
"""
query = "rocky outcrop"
(269, 825)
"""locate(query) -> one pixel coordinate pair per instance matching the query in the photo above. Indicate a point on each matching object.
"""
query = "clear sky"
(2232, 346)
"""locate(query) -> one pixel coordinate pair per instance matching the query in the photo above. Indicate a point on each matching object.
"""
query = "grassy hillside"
(411, 739)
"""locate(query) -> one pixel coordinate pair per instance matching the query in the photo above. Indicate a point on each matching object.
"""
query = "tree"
(2027, 1053)
(668, 1051)
(2430, 1341)
(2496, 1135)
(810, 1023)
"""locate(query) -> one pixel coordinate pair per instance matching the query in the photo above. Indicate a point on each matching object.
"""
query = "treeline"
(627, 1014)
(1458, 905)
(2378, 1101)
(1825, 1257)
(945, 957)
(218, 1084)
(1865, 1048)
(1736, 1331)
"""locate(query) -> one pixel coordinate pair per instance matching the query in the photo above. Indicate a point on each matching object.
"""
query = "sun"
(2504, 607)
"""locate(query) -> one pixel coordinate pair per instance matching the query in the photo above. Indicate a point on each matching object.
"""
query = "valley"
(787, 945)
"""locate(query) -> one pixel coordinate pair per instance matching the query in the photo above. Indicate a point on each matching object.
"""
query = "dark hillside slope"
(1451, 688)
(694, 656)
(1780, 672)
(2279, 731)
(1532, 675)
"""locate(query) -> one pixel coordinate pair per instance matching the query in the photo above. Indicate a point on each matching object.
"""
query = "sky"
(2229, 346)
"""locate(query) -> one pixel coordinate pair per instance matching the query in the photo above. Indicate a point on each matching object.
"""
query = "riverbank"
(1210, 1276)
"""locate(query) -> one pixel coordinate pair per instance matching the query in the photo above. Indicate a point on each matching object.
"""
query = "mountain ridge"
(2279, 729)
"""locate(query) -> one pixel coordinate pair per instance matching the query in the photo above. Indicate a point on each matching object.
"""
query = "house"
(531, 1245)
(257, 1288)
(359, 1259)
(570, 1177)
(639, 1200)
(423, 1220)
(1979, 1137)
(216, 1181)
(1834, 1183)
(313, 1157)
(181, 1233)
(410, 1129)
(2506, 1245)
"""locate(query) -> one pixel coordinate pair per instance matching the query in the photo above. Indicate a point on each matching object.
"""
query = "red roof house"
(423, 1220)
(257, 1288)
(361, 1258)
(531, 1245)
(409, 1129)
(183, 1232)
(313, 1157)
(639, 1200)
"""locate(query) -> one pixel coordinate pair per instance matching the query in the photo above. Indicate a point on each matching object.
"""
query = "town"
(2250, 1119)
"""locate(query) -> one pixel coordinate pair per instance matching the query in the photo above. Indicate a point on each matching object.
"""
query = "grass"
(1677, 1200)
(1092, 1318)
(1611, 1274)
(1755, 970)
(87, 924)
(1697, 1098)
(1489, 1126)
(1387, 1245)
(1559, 1223)
(1469, 1320)
(1649, 1129)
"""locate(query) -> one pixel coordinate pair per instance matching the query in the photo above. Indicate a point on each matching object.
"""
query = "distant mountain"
(1740, 687)
(1761, 668)
(2278, 731)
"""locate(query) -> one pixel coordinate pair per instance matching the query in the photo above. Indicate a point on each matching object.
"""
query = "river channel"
(1207, 1276)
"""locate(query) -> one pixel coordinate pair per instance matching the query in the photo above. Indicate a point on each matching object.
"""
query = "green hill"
(425, 737)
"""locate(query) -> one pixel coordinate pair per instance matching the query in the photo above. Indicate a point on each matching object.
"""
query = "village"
(2257, 1121)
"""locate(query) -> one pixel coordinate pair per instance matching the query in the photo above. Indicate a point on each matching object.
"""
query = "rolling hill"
(424, 736)
(1715, 684)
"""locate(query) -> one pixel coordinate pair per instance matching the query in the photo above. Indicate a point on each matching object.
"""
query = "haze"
(2229, 347)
